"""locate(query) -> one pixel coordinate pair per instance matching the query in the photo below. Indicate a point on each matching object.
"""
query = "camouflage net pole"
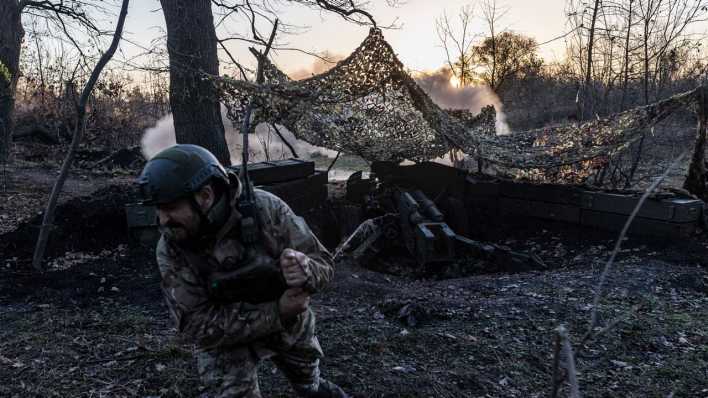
(369, 105)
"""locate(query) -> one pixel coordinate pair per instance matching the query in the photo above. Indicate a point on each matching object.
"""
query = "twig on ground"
(556, 366)
(610, 325)
(618, 245)
(569, 362)
(130, 358)
(571, 374)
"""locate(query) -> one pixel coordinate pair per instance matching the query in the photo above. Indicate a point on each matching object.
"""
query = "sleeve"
(209, 324)
(293, 232)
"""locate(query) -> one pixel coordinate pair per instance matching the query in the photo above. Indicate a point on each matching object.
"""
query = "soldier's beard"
(174, 232)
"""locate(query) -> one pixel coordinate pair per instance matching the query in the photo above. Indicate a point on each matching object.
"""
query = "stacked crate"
(670, 217)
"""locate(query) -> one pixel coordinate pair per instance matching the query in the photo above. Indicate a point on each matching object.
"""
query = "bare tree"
(648, 11)
(48, 218)
(664, 23)
(11, 36)
(583, 19)
(625, 60)
(458, 44)
(587, 96)
(492, 14)
(632, 43)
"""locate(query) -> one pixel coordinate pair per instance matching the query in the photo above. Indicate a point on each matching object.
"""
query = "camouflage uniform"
(232, 338)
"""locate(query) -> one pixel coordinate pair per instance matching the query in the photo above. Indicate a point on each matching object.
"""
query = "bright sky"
(416, 42)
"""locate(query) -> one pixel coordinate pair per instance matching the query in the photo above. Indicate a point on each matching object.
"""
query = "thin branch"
(60, 8)
(563, 36)
(245, 123)
(333, 162)
(71, 38)
(347, 13)
(569, 362)
(238, 65)
(278, 48)
(48, 218)
(618, 244)
(277, 131)
(555, 382)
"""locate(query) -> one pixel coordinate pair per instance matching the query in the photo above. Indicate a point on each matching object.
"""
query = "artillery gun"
(409, 218)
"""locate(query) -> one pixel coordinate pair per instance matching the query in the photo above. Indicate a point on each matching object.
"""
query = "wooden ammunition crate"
(673, 217)
(266, 173)
(301, 194)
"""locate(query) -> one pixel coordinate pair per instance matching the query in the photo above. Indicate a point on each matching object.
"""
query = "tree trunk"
(626, 57)
(647, 23)
(11, 34)
(587, 108)
(696, 179)
(191, 43)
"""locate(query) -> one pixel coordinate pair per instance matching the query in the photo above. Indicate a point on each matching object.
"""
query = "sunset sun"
(454, 81)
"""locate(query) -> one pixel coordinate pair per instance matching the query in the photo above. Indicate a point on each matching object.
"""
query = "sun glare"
(454, 81)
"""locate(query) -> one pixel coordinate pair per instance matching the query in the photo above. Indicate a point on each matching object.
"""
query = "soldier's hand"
(295, 266)
(293, 302)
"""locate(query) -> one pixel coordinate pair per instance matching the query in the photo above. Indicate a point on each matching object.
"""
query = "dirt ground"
(95, 325)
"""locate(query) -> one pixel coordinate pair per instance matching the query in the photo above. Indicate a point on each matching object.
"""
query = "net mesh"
(369, 105)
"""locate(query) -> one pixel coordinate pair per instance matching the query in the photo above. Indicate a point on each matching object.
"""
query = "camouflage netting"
(370, 106)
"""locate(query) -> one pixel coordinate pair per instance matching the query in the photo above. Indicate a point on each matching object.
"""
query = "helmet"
(178, 172)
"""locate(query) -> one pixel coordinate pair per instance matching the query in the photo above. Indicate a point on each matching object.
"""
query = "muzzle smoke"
(472, 98)
(264, 145)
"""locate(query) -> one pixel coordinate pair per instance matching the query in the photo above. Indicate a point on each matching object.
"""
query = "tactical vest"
(251, 274)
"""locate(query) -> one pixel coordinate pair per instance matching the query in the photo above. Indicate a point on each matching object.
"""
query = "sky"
(415, 41)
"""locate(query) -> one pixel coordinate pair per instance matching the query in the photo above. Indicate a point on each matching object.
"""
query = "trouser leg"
(298, 358)
(229, 373)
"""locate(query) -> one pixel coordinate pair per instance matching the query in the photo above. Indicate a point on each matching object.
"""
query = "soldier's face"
(178, 220)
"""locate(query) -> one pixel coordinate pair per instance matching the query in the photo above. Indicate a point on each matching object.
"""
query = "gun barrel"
(428, 206)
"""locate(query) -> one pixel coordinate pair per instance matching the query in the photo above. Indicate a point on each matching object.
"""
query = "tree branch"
(62, 9)
(347, 13)
(48, 218)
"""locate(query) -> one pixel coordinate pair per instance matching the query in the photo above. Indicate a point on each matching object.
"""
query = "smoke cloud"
(440, 89)
(159, 137)
(263, 145)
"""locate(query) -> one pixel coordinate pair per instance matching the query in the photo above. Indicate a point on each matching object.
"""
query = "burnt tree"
(11, 34)
(192, 48)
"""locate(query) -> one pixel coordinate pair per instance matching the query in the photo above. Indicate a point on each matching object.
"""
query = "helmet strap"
(212, 219)
(219, 212)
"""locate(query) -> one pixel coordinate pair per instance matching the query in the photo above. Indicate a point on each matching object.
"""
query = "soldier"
(238, 300)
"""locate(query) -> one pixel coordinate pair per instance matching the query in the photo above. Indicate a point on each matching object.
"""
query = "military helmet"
(177, 172)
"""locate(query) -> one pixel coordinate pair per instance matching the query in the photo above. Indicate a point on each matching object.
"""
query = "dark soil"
(85, 223)
(96, 325)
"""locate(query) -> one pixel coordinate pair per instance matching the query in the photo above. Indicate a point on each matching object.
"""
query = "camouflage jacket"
(211, 324)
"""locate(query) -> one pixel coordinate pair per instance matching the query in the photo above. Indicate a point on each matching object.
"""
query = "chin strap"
(211, 220)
